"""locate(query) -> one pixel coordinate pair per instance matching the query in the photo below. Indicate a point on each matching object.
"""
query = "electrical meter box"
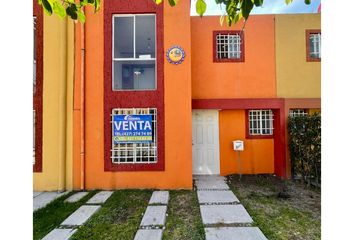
(238, 145)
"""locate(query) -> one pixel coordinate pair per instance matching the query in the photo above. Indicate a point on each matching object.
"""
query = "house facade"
(145, 96)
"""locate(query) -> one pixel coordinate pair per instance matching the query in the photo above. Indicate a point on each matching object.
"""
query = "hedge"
(305, 147)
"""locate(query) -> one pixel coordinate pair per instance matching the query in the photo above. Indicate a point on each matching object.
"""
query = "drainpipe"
(82, 104)
(62, 110)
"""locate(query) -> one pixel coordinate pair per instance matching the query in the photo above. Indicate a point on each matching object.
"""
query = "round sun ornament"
(175, 55)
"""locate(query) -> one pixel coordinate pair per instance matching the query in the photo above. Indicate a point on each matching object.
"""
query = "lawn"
(118, 218)
(297, 216)
(183, 220)
(50, 217)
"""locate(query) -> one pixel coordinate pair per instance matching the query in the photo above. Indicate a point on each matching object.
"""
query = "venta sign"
(132, 129)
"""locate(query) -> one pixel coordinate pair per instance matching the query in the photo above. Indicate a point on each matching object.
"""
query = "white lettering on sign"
(132, 125)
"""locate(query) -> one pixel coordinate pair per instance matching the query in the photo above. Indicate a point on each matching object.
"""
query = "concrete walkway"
(69, 226)
(42, 199)
(223, 216)
(154, 219)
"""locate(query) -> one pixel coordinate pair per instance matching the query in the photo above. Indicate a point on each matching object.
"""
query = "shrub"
(305, 147)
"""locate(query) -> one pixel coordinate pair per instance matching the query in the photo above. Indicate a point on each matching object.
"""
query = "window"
(313, 45)
(134, 52)
(228, 46)
(260, 122)
(297, 112)
(136, 152)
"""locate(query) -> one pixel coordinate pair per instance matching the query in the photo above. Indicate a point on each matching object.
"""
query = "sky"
(269, 7)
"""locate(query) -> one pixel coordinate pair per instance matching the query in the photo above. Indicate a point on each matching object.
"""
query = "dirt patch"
(283, 209)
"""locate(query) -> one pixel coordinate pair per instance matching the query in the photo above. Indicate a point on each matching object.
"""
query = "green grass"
(183, 220)
(280, 219)
(119, 217)
(50, 217)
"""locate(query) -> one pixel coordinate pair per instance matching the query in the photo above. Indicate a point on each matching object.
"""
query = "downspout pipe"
(82, 105)
(62, 109)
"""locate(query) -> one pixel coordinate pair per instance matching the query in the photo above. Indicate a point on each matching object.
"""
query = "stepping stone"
(76, 197)
(154, 216)
(215, 214)
(159, 197)
(148, 234)
(35, 194)
(100, 197)
(80, 216)
(216, 197)
(209, 177)
(43, 199)
(211, 185)
(234, 233)
(60, 234)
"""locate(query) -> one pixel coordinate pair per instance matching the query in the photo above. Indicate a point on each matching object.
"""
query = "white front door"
(205, 125)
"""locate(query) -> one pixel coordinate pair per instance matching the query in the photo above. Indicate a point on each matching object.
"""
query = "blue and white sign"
(132, 128)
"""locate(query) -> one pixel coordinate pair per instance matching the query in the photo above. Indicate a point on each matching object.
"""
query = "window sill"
(259, 136)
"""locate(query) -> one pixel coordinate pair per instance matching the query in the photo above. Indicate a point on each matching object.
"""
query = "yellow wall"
(57, 105)
(296, 78)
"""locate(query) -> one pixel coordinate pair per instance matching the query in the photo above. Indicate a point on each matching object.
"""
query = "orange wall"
(258, 156)
(253, 78)
(178, 152)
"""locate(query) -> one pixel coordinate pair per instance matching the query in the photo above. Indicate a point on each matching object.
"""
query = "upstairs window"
(260, 123)
(313, 45)
(228, 46)
(297, 112)
(134, 52)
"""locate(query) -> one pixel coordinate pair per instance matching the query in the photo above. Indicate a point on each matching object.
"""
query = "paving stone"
(41, 200)
(216, 197)
(81, 215)
(76, 197)
(234, 233)
(214, 214)
(159, 197)
(209, 177)
(154, 216)
(148, 234)
(60, 234)
(100, 197)
(211, 185)
(35, 194)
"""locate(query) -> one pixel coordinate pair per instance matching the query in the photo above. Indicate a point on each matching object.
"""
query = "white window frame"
(297, 112)
(233, 42)
(120, 152)
(259, 128)
(134, 58)
(315, 41)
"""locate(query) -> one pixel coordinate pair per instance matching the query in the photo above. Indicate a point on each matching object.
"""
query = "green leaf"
(172, 2)
(246, 7)
(288, 2)
(308, 2)
(81, 16)
(83, 2)
(59, 9)
(72, 11)
(258, 3)
(157, 1)
(200, 7)
(47, 6)
(97, 5)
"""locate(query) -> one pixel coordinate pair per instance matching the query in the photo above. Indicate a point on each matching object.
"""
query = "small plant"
(305, 147)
